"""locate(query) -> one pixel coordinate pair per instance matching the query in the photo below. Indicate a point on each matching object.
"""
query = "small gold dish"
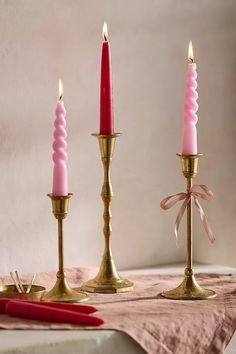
(10, 291)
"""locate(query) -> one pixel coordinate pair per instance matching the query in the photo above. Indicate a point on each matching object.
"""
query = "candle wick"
(60, 98)
(190, 60)
(105, 38)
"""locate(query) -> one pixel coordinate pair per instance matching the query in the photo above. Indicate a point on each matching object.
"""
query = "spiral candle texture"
(60, 178)
(189, 143)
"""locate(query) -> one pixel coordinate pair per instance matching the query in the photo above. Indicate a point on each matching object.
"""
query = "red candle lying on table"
(71, 307)
(36, 312)
(106, 101)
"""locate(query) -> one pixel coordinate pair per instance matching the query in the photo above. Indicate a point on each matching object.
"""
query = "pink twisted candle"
(189, 143)
(60, 179)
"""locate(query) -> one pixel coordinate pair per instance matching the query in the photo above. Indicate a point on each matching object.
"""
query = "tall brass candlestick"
(189, 289)
(62, 292)
(107, 280)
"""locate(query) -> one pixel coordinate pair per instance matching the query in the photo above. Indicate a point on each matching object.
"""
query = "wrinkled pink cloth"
(158, 325)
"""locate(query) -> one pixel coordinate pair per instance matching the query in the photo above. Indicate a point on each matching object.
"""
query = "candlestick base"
(62, 292)
(189, 289)
(108, 280)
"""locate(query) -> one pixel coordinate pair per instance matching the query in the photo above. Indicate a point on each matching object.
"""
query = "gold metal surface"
(10, 291)
(189, 164)
(107, 280)
(62, 292)
(189, 288)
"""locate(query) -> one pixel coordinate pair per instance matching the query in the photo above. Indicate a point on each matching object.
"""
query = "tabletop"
(93, 341)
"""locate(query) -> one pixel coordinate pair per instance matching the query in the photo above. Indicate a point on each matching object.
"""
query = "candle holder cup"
(107, 279)
(62, 292)
(189, 289)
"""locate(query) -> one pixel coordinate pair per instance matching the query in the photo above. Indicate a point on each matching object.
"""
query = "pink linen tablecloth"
(159, 325)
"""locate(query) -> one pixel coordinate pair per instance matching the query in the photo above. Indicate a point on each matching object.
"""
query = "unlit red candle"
(60, 178)
(189, 143)
(106, 100)
(49, 314)
(63, 306)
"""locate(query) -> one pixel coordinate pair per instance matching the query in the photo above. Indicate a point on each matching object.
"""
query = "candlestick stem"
(60, 245)
(108, 279)
(62, 292)
(189, 289)
(189, 227)
(107, 195)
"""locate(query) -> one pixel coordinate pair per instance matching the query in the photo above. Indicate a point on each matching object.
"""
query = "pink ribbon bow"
(192, 194)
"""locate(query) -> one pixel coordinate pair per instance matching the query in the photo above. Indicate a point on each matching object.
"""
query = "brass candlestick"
(189, 288)
(107, 280)
(62, 292)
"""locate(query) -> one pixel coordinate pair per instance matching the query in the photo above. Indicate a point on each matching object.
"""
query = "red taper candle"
(106, 100)
(31, 311)
(64, 306)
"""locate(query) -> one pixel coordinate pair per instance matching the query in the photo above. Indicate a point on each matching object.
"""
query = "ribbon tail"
(205, 222)
(179, 217)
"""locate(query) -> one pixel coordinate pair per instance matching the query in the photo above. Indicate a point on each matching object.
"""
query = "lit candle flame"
(60, 90)
(190, 52)
(105, 31)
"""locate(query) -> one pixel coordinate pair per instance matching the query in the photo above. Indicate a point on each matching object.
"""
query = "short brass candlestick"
(107, 280)
(189, 288)
(62, 292)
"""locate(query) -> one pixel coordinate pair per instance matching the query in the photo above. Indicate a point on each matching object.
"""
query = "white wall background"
(42, 41)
